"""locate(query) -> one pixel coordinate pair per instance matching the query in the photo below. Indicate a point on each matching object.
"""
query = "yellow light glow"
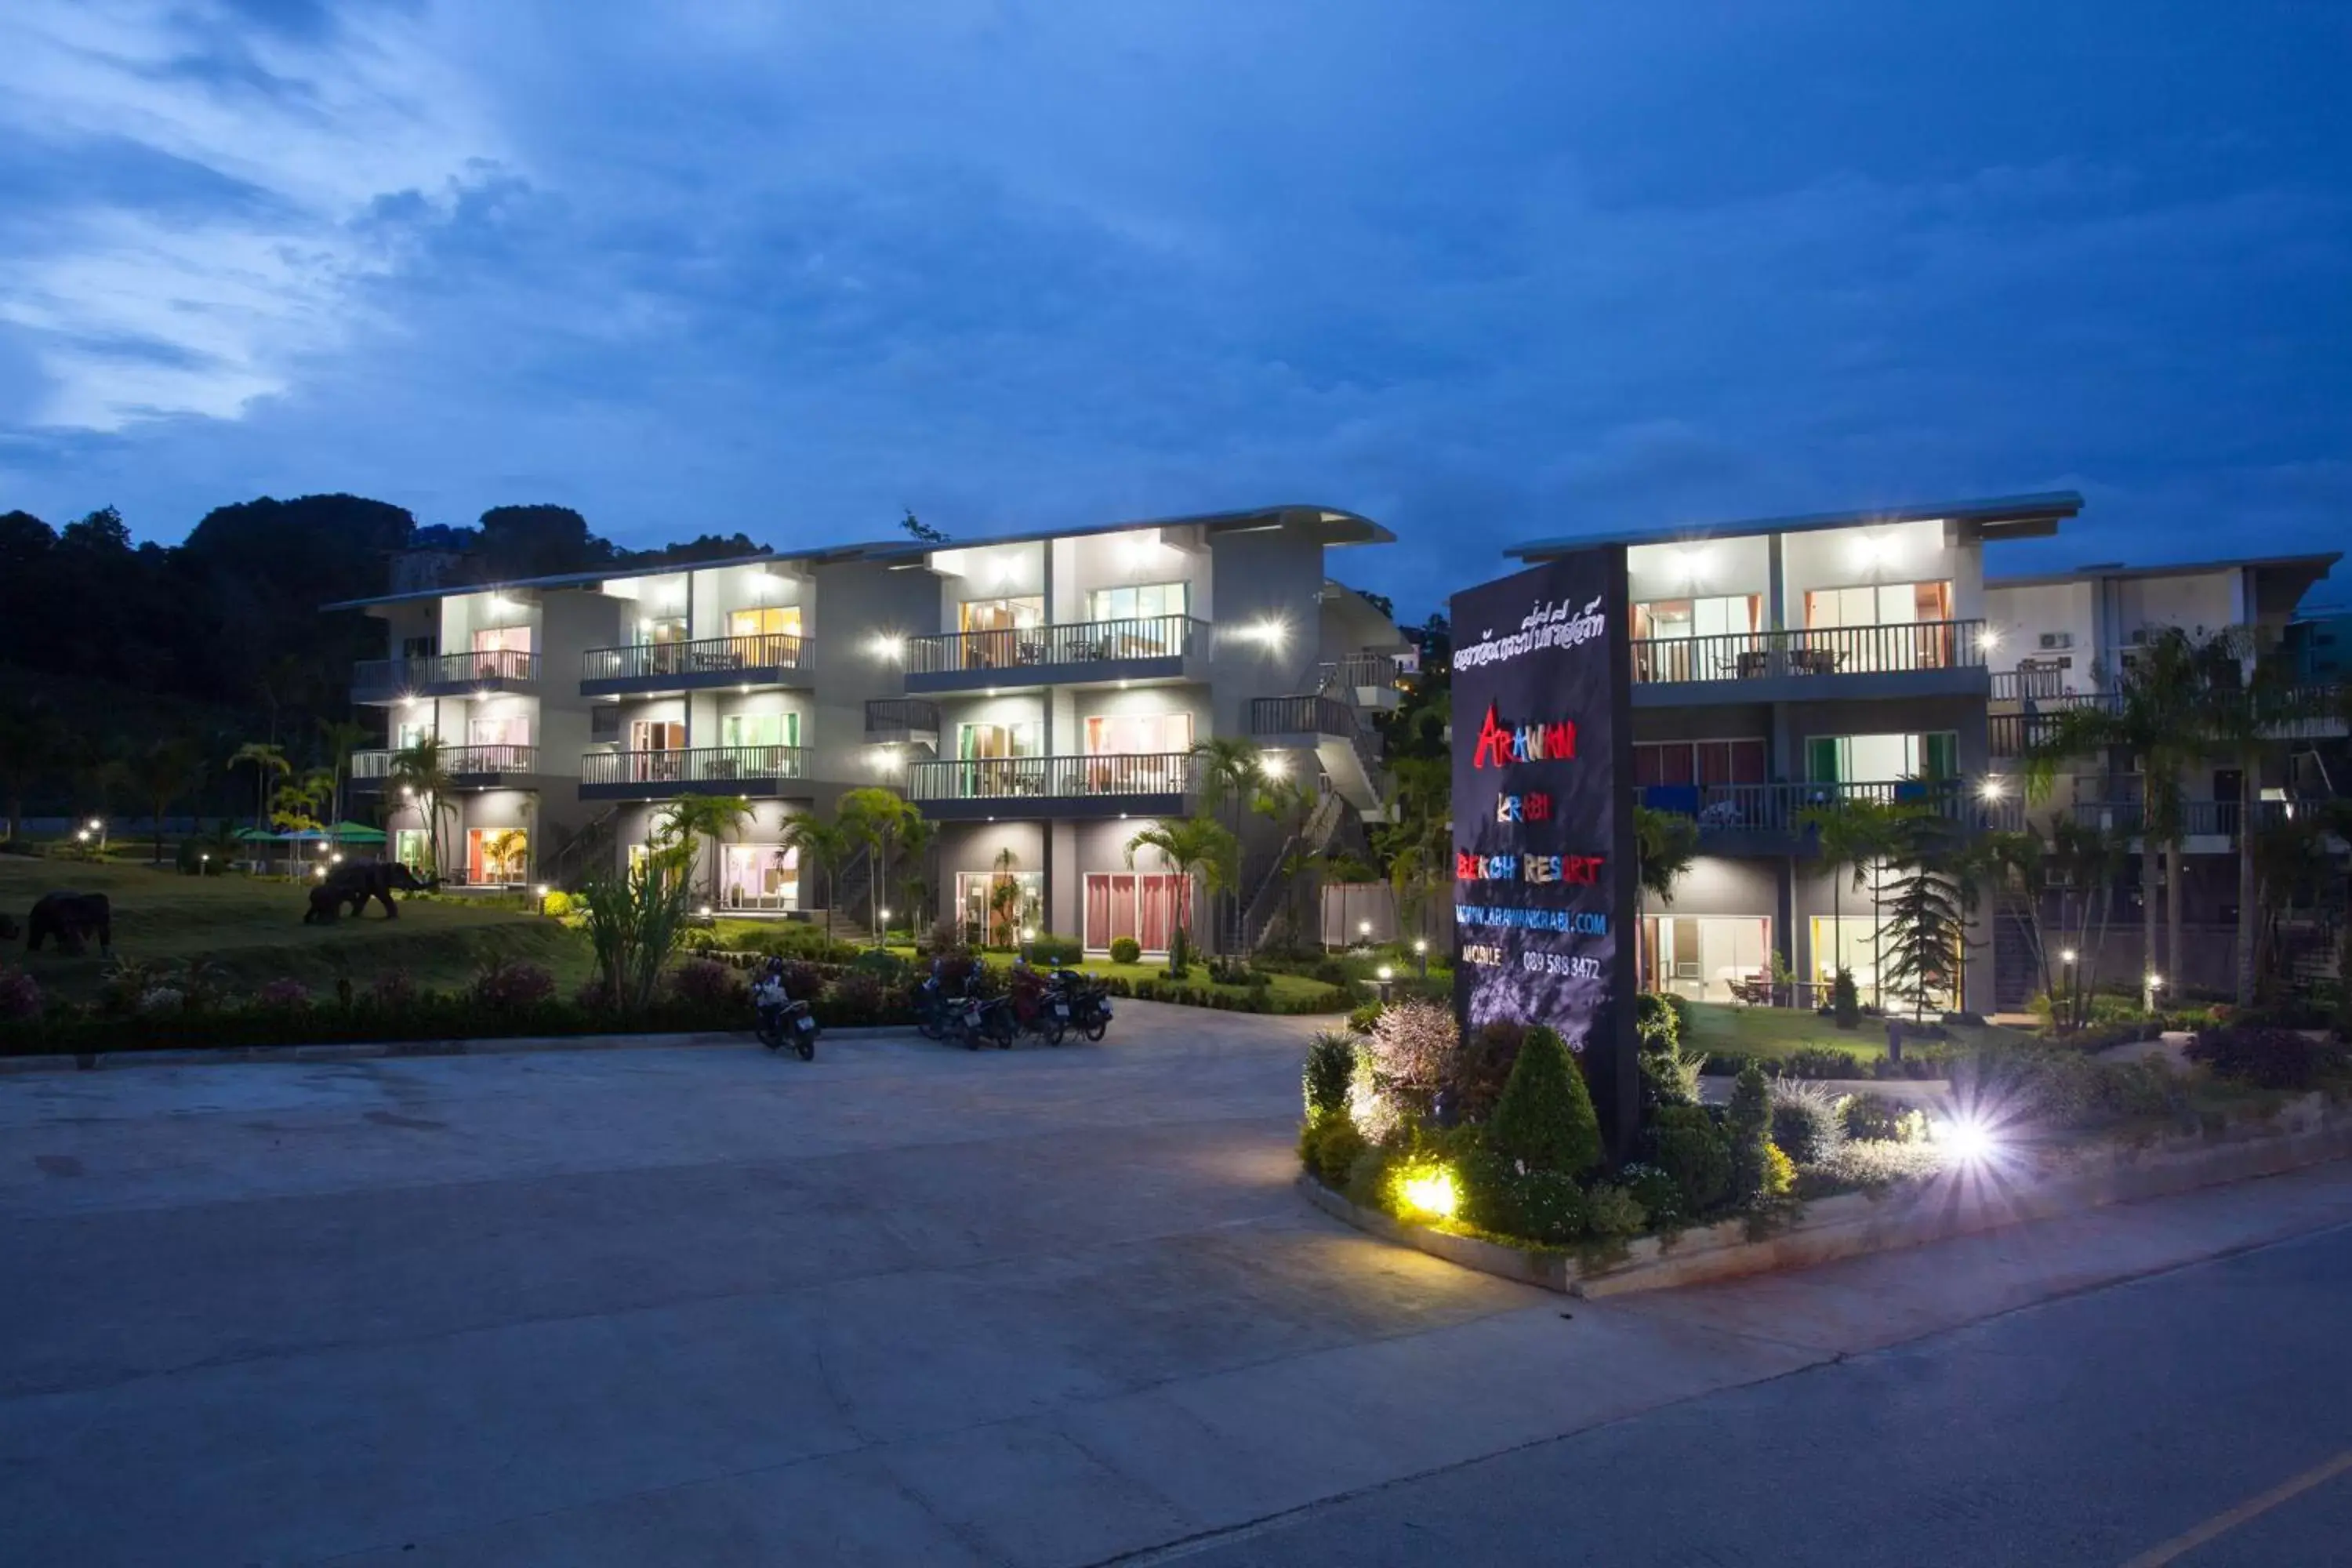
(1431, 1192)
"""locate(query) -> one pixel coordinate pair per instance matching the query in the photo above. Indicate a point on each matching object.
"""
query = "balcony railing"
(720, 656)
(1074, 643)
(1780, 806)
(1359, 671)
(1833, 650)
(1310, 715)
(2030, 682)
(457, 762)
(898, 718)
(698, 765)
(488, 667)
(1029, 778)
(2196, 818)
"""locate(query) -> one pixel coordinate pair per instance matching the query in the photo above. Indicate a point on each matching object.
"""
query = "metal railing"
(2196, 818)
(1016, 778)
(703, 656)
(1307, 715)
(900, 716)
(1830, 650)
(457, 762)
(700, 765)
(445, 669)
(1780, 806)
(2030, 682)
(1075, 642)
(1358, 670)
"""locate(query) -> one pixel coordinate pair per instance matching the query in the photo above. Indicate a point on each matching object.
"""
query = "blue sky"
(1486, 272)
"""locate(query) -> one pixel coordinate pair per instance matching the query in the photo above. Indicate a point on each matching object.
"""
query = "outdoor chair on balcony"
(1752, 664)
(1753, 991)
(1815, 660)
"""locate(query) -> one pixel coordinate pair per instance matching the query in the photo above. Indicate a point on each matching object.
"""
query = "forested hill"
(107, 646)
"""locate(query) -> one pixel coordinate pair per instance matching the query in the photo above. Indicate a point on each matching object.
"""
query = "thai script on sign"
(1546, 626)
(1501, 743)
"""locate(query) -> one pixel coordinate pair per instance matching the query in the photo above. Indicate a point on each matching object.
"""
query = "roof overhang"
(1997, 518)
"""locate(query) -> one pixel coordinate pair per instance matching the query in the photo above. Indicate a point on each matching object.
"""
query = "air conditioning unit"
(2139, 636)
(2057, 639)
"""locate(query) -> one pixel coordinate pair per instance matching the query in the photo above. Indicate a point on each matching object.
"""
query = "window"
(1148, 907)
(1878, 605)
(1135, 735)
(999, 633)
(409, 848)
(1017, 740)
(999, 614)
(990, 749)
(502, 639)
(497, 855)
(502, 653)
(410, 732)
(1716, 618)
(1698, 763)
(425, 647)
(770, 621)
(760, 877)
(760, 729)
(995, 905)
(1878, 759)
(657, 735)
(1702, 957)
(1662, 626)
(661, 630)
(498, 730)
(1130, 603)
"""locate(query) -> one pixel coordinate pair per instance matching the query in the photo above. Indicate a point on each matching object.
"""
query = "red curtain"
(1097, 934)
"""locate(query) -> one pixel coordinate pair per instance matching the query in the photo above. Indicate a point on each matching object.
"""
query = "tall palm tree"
(421, 772)
(1851, 834)
(874, 819)
(2245, 694)
(164, 773)
(1231, 768)
(1290, 805)
(2153, 718)
(268, 763)
(691, 817)
(1665, 845)
(916, 834)
(1193, 845)
(826, 844)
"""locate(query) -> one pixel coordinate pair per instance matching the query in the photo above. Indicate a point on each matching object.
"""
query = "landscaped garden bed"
(1487, 1151)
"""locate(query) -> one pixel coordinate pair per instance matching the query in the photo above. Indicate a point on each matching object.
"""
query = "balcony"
(1147, 647)
(1329, 728)
(766, 659)
(1148, 783)
(1901, 659)
(468, 767)
(704, 769)
(444, 675)
(2010, 734)
(1369, 680)
(2206, 826)
(1766, 819)
(902, 722)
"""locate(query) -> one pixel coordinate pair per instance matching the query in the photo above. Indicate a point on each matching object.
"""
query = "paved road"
(911, 1305)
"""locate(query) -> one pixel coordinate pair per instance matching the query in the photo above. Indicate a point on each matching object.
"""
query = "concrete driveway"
(705, 1305)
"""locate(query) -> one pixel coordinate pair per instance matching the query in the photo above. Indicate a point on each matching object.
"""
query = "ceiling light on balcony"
(1987, 639)
(1870, 550)
(1994, 788)
(1274, 765)
(1692, 564)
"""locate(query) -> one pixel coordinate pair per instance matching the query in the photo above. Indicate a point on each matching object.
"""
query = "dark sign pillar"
(1543, 818)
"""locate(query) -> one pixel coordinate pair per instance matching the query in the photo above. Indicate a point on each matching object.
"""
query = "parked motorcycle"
(781, 1019)
(976, 1018)
(935, 1010)
(1037, 1005)
(1081, 1001)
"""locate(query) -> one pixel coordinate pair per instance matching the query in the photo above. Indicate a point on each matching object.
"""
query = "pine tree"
(1544, 1120)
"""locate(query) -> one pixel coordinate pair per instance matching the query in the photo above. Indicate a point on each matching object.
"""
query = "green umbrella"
(355, 833)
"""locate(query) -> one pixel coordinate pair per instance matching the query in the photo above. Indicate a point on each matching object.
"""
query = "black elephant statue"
(73, 918)
(354, 884)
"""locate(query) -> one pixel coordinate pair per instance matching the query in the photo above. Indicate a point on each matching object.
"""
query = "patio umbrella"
(355, 833)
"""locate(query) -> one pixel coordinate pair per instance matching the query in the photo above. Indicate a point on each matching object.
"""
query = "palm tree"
(874, 819)
(1290, 805)
(826, 844)
(1853, 835)
(915, 836)
(1665, 845)
(1193, 845)
(2152, 718)
(2244, 696)
(163, 774)
(268, 763)
(2087, 856)
(340, 738)
(421, 771)
(1231, 768)
(691, 817)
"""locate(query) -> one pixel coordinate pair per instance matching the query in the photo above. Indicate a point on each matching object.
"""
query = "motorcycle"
(975, 1018)
(935, 1010)
(1038, 1006)
(783, 1020)
(1081, 1001)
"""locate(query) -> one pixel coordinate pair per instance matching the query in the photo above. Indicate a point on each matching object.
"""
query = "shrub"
(1659, 1194)
(1414, 1047)
(1484, 1066)
(503, 986)
(856, 1000)
(1845, 1003)
(699, 939)
(2267, 1057)
(285, 994)
(1237, 972)
(1750, 1124)
(1808, 1121)
(1612, 1211)
(1822, 1062)
(707, 983)
(1545, 1118)
(881, 963)
(1361, 1019)
(1331, 971)
(1330, 1146)
(1126, 950)
(1046, 947)
(1655, 1022)
(1330, 1063)
(557, 905)
(1546, 1207)
(1877, 1119)
(20, 995)
(1375, 1108)
(391, 989)
(1695, 1153)
(1780, 1174)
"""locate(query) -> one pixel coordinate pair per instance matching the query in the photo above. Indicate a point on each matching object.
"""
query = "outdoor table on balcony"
(1815, 660)
(1752, 665)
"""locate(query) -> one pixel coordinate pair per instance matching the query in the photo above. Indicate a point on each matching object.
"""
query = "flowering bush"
(287, 994)
(20, 996)
(1377, 1111)
(857, 1000)
(556, 905)
(706, 983)
(163, 999)
(1414, 1046)
(499, 986)
(392, 988)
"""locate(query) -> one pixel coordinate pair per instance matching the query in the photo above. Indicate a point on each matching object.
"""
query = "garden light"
(1971, 1140)
(1386, 974)
(886, 916)
(2155, 981)
(1431, 1192)
(2067, 956)
(1363, 928)
(83, 836)
(1028, 934)
(704, 911)
(96, 826)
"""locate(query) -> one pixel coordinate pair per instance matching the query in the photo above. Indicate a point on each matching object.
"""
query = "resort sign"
(1543, 820)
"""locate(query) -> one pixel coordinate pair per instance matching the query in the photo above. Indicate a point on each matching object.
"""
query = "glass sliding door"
(760, 877)
(1703, 957)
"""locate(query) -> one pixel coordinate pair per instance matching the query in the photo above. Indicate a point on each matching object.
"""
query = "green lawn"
(1285, 988)
(1784, 1031)
(253, 929)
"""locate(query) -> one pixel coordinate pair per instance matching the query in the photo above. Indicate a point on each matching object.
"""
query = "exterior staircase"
(585, 854)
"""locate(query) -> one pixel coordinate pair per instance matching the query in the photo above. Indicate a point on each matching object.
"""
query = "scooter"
(1081, 1001)
(1037, 1008)
(781, 1019)
(974, 1018)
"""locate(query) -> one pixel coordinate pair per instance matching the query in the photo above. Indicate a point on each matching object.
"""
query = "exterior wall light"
(1991, 789)
(2066, 956)
(1988, 639)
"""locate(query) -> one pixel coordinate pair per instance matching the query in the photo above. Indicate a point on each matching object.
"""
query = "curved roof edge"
(1998, 517)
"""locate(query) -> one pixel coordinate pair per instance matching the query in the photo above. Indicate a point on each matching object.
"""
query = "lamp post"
(1421, 954)
(203, 863)
(539, 894)
(1387, 977)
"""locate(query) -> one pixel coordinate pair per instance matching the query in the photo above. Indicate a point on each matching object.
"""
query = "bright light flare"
(1430, 1192)
(1971, 1142)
